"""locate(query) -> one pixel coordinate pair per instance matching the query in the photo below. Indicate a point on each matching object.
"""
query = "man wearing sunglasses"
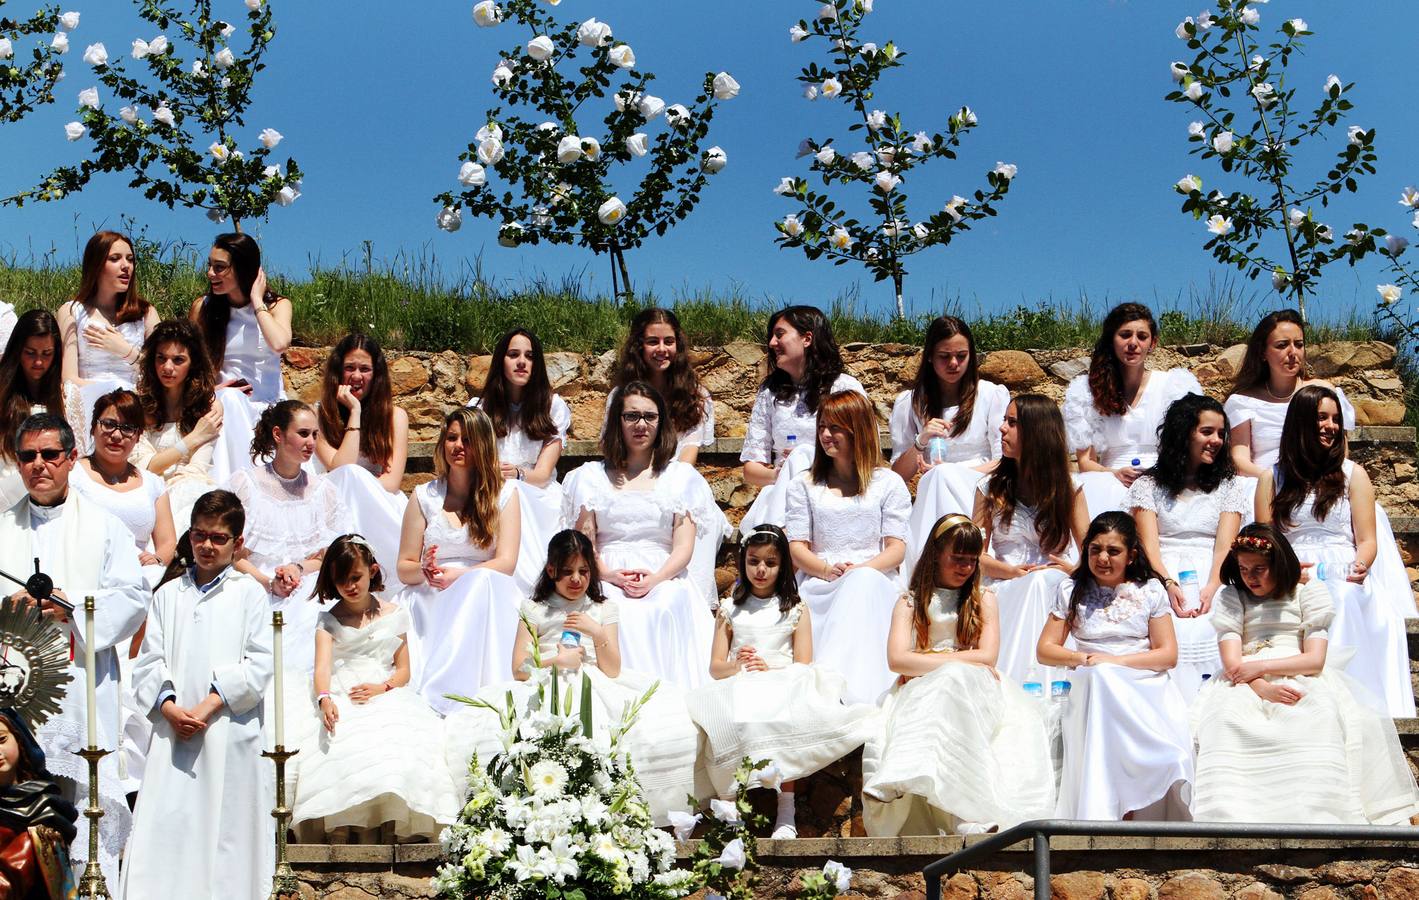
(86, 551)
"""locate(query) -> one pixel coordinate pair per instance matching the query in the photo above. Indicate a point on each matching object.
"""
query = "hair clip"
(1252, 542)
(756, 530)
(948, 522)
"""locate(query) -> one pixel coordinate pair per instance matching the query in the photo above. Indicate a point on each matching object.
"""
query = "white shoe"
(784, 833)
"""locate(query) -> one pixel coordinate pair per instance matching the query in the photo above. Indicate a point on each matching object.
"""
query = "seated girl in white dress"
(246, 327)
(804, 367)
(847, 527)
(577, 632)
(1127, 747)
(1113, 411)
(1033, 517)
(958, 749)
(531, 423)
(657, 352)
(1325, 506)
(457, 552)
(768, 701)
(375, 755)
(947, 427)
(30, 382)
(183, 420)
(639, 511)
(1189, 506)
(1282, 736)
(363, 442)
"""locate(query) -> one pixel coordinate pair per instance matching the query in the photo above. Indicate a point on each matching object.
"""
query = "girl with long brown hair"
(105, 324)
(1325, 506)
(1033, 517)
(956, 748)
(30, 382)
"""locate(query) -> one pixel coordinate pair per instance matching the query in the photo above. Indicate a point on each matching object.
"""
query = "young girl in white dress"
(768, 701)
(376, 756)
(804, 367)
(1127, 748)
(657, 352)
(1325, 506)
(30, 382)
(176, 385)
(363, 442)
(1189, 506)
(531, 423)
(457, 552)
(246, 327)
(1284, 715)
(638, 508)
(847, 527)
(959, 749)
(1112, 412)
(947, 427)
(1033, 517)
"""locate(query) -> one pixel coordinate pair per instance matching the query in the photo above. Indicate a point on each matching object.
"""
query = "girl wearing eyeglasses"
(30, 382)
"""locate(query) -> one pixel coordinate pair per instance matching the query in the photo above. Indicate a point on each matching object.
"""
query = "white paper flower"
(832, 87)
(1409, 197)
(96, 55)
(1195, 129)
(725, 87)
(954, 206)
(727, 811)
(1280, 279)
(1356, 135)
(470, 174)
(541, 48)
(1007, 170)
(129, 114)
(1389, 293)
(828, 12)
(793, 228)
(270, 137)
(74, 130)
(591, 147)
(490, 151)
(786, 186)
(611, 212)
(886, 182)
(1189, 183)
(1181, 30)
(622, 56)
(840, 239)
(224, 59)
(677, 115)
(1193, 91)
(1298, 25)
(1333, 84)
(60, 43)
(197, 67)
(1219, 225)
(220, 152)
(715, 160)
(637, 144)
(164, 115)
(569, 149)
(732, 857)
(868, 49)
(797, 33)
(1179, 71)
(69, 20)
(486, 14)
(650, 106)
(253, 5)
(963, 117)
(502, 73)
(1250, 16)
(593, 33)
(89, 97)
(1395, 244)
(864, 160)
(228, 29)
(683, 823)
(1264, 93)
(876, 120)
(140, 48)
(1223, 142)
(826, 156)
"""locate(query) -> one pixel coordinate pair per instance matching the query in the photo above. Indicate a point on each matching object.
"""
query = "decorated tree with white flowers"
(181, 116)
(1255, 124)
(558, 164)
(1402, 271)
(30, 63)
(882, 164)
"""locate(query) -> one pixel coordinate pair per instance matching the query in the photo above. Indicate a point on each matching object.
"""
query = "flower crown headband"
(1252, 543)
(949, 522)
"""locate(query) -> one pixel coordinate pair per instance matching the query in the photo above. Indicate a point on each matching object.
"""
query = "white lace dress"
(463, 635)
(1120, 440)
(1187, 535)
(852, 614)
(668, 632)
(662, 742)
(1252, 754)
(384, 761)
(772, 422)
(1365, 621)
(247, 355)
(955, 745)
(1127, 747)
(1023, 603)
(186, 480)
(792, 714)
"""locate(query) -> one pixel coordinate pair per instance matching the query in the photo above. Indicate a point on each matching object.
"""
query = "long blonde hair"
(958, 534)
(479, 513)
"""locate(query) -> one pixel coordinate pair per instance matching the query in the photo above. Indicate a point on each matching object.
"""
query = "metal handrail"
(1040, 831)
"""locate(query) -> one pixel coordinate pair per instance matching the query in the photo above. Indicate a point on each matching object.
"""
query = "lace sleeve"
(1347, 410)
(1238, 496)
(1079, 414)
(798, 517)
(758, 437)
(1227, 614)
(77, 418)
(333, 517)
(1141, 494)
(896, 505)
(1317, 609)
(582, 491)
(903, 425)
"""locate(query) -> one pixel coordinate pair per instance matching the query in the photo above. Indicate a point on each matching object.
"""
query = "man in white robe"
(86, 551)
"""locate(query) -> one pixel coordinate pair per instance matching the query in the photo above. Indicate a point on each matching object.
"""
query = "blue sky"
(376, 102)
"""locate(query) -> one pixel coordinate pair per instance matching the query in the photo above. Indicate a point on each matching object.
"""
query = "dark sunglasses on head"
(50, 454)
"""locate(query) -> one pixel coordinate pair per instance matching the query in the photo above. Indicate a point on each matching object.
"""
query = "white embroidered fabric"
(455, 547)
(772, 420)
(848, 529)
(758, 623)
(1189, 519)
(977, 444)
(517, 449)
(1118, 440)
(1113, 620)
(287, 520)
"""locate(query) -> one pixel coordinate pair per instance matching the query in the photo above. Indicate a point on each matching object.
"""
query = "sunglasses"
(215, 538)
(631, 418)
(50, 454)
(113, 426)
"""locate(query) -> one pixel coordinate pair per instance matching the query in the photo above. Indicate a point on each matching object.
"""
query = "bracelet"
(1168, 581)
(920, 447)
(323, 695)
(352, 428)
(519, 472)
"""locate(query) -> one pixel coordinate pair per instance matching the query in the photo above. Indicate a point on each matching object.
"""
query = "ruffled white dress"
(463, 635)
(778, 428)
(1120, 440)
(852, 614)
(186, 480)
(375, 514)
(668, 632)
(1187, 534)
(792, 714)
(1364, 620)
(956, 745)
(248, 356)
(103, 371)
(1330, 758)
(1023, 603)
(661, 743)
(384, 761)
(1127, 747)
(949, 486)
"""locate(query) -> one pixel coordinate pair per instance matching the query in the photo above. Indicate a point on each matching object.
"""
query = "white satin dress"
(1023, 602)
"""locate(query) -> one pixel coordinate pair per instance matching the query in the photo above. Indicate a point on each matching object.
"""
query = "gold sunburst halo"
(34, 662)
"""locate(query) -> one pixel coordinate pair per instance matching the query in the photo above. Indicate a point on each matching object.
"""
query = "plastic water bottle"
(1334, 571)
(1192, 591)
(790, 443)
(1135, 462)
(1059, 688)
(1033, 684)
(936, 451)
(570, 639)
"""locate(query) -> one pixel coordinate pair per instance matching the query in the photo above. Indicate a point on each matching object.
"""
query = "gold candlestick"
(92, 885)
(284, 883)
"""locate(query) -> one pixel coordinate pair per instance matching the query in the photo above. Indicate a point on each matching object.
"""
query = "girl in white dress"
(1033, 517)
(804, 368)
(1127, 748)
(1281, 736)
(769, 701)
(378, 757)
(639, 511)
(1112, 412)
(847, 524)
(364, 442)
(959, 749)
(576, 629)
(1189, 506)
(457, 552)
(947, 427)
(31, 382)
(246, 328)
(531, 423)
(1324, 504)
(183, 420)
(657, 352)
